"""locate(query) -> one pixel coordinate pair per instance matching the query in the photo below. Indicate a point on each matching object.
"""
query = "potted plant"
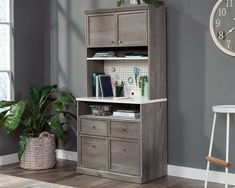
(143, 85)
(156, 3)
(48, 108)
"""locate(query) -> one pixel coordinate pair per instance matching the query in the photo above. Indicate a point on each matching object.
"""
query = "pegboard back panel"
(123, 70)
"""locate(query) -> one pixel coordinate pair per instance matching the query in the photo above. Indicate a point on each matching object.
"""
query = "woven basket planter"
(39, 153)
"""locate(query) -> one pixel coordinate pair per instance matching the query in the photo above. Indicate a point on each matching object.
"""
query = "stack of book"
(104, 54)
(132, 114)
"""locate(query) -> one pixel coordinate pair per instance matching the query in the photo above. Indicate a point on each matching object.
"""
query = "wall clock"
(222, 26)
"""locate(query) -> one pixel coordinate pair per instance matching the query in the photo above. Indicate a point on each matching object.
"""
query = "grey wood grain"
(64, 173)
(132, 28)
(125, 157)
(93, 126)
(154, 140)
(101, 30)
(157, 52)
(123, 129)
(94, 153)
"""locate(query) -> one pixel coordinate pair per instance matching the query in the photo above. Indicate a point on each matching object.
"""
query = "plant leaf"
(56, 127)
(59, 103)
(13, 117)
(4, 104)
(34, 94)
(22, 145)
(45, 92)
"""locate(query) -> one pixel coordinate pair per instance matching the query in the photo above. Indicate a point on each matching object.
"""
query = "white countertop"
(120, 100)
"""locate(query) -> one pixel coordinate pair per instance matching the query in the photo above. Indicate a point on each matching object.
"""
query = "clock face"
(222, 25)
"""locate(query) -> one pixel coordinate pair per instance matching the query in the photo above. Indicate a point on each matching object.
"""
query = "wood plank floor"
(65, 174)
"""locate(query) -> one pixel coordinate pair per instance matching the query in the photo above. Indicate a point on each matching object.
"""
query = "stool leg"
(210, 148)
(227, 150)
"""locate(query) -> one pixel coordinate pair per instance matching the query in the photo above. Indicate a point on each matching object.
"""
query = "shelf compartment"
(116, 58)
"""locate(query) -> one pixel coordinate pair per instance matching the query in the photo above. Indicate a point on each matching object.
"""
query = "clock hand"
(230, 31)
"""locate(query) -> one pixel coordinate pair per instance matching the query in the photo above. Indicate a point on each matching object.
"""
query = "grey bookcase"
(132, 150)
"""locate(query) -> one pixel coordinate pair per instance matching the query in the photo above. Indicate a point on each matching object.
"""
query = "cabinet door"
(125, 157)
(101, 30)
(94, 153)
(132, 28)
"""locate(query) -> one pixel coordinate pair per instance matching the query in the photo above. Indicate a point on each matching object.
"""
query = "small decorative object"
(41, 112)
(135, 2)
(222, 26)
(113, 69)
(120, 2)
(119, 88)
(130, 80)
(156, 3)
(101, 110)
(143, 85)
(136, 73)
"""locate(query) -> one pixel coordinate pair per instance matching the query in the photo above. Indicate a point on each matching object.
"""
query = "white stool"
(225, 109)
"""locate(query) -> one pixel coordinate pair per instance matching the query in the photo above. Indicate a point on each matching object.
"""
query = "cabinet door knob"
(124, 129)
(93, 146)
(112, 42)
(93, 126)
(125, 150)
(120, 42)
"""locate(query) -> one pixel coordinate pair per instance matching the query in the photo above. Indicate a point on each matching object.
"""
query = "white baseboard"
(67, 155)
(177, 171)
(200, 174)
(9, 159)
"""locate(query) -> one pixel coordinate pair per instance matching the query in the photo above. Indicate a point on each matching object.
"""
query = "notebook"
(106, 86)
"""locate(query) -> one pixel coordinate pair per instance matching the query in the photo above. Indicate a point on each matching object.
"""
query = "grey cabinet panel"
(125, 157)
(94, 153)
(93, 126)
(132, 28)
(122, 129)
(101, 30)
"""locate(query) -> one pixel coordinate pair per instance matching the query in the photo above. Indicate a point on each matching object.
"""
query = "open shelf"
(117, 58)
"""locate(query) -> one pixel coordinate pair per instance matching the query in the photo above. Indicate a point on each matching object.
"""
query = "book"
(104, 54)
(95, 84)
(106, 86)
(126, 114)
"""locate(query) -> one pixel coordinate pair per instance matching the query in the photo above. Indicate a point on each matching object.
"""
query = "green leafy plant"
(156, 3)
(48, 107)
(142, 81)
(120, 2)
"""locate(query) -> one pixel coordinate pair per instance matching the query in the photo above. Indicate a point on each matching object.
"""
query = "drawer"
(94, 153)
(125, 157)
(121, 129)
(93, 126)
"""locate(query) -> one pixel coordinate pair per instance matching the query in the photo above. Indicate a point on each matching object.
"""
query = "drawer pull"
(124, 129)
(125, 150)
(93, 146)
(93, 126)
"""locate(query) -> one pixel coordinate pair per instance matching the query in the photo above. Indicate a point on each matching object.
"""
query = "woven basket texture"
(39, 153)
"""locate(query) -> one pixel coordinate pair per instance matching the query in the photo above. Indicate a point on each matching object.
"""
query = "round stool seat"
(224, 108)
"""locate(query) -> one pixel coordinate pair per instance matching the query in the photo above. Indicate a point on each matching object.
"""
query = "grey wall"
(68, 49)
(29, 57)
(199, 75)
